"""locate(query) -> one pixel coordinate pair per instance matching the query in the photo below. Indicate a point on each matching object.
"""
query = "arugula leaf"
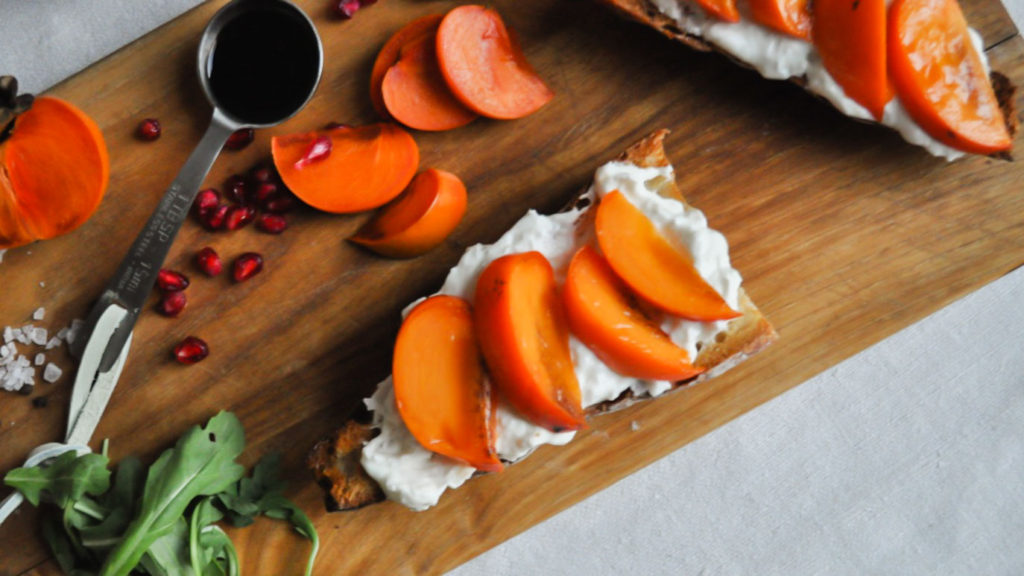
(168, 554)
(263, 493)
(202, 463)
(64, 481)
(120, 501)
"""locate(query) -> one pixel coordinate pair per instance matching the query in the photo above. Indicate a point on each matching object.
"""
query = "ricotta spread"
(779, 57)
(416, 477)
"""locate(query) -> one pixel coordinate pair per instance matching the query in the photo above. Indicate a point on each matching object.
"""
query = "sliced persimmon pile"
(418, 220)
(407, 84)
(651, 266)
(54, 170)
(440, 387)
(524, 337)
(347, 169)
(440, 71)
(602, 312)
(940, 78)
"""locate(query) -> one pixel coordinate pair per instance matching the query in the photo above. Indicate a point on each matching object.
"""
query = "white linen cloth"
(905, 459)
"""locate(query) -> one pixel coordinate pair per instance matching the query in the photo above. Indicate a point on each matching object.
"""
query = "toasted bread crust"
(335, 461)
(645, 12)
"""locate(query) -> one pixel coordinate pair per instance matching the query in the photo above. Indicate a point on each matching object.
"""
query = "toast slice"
(647, 12)
(335, 461)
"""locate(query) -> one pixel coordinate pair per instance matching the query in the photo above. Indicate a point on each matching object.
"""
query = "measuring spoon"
(259, 62)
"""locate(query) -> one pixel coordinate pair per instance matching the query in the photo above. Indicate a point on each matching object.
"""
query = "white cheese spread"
(415, 477)
(779, 57)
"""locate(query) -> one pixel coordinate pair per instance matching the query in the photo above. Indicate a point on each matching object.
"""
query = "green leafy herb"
(64, 481)
(200, 464)
(164, 521)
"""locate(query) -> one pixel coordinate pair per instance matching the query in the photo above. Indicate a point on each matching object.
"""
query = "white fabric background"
(906, 459)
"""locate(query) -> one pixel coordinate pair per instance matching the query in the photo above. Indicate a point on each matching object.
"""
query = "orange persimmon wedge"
(440, 387)
(721, 9)
(425, 26)
(54, 170)
(791, 17)
(418, 220)
(653, 268)
(601, 314)
(940, 78)
(485, 68)
(850, 37)
(367, 166)
(415, 92)
(524, 338)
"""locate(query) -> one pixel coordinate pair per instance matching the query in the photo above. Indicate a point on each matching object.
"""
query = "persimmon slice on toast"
(425, 26)
(440, 387)
(940, 78)
(54, 170)
(791, 17)
(367, 166)
(721, 9)
(850, 37)
(418, 220)
(524, 338)
(485, 68)
(415, 92)
(652, 267)
(601, 314)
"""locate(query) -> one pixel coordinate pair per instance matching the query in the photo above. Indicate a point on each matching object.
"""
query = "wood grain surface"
(843, 232)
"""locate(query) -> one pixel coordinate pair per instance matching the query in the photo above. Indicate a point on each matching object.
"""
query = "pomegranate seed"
(239, 217)
(280, 204)
(148, 129)
(317, 151)
(209, 261)
(171, 280)
(272, 223)
(191, 350)
(240, 139)
(236, 188)
(262, 174)
(264, 192)
(346, 8)
(206, 200)
(246, 266)
(214, 219)
(172, 303)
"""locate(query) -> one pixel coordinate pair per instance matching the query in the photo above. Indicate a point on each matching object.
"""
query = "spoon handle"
(136, 275)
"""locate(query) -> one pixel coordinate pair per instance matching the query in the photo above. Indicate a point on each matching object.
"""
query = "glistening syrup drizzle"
(264, 64)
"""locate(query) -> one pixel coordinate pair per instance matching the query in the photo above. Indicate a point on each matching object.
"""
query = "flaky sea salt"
(40, 359)
(39, 314)
(52, 373)
(53, 343)
(39, 336)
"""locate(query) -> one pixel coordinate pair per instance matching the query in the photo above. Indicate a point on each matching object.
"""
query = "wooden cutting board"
(843, 232)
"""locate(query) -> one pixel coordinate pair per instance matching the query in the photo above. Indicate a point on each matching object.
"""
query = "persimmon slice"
(603, 314)
(524, 338)
(440, 387)
(721, 9)
(850, 37)
(791, 17)
(652, 267)
(940, 78)
(418, 220)
(367, 166)
(54, 170)
(485, 68)
(415, 92)
(425, 26)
